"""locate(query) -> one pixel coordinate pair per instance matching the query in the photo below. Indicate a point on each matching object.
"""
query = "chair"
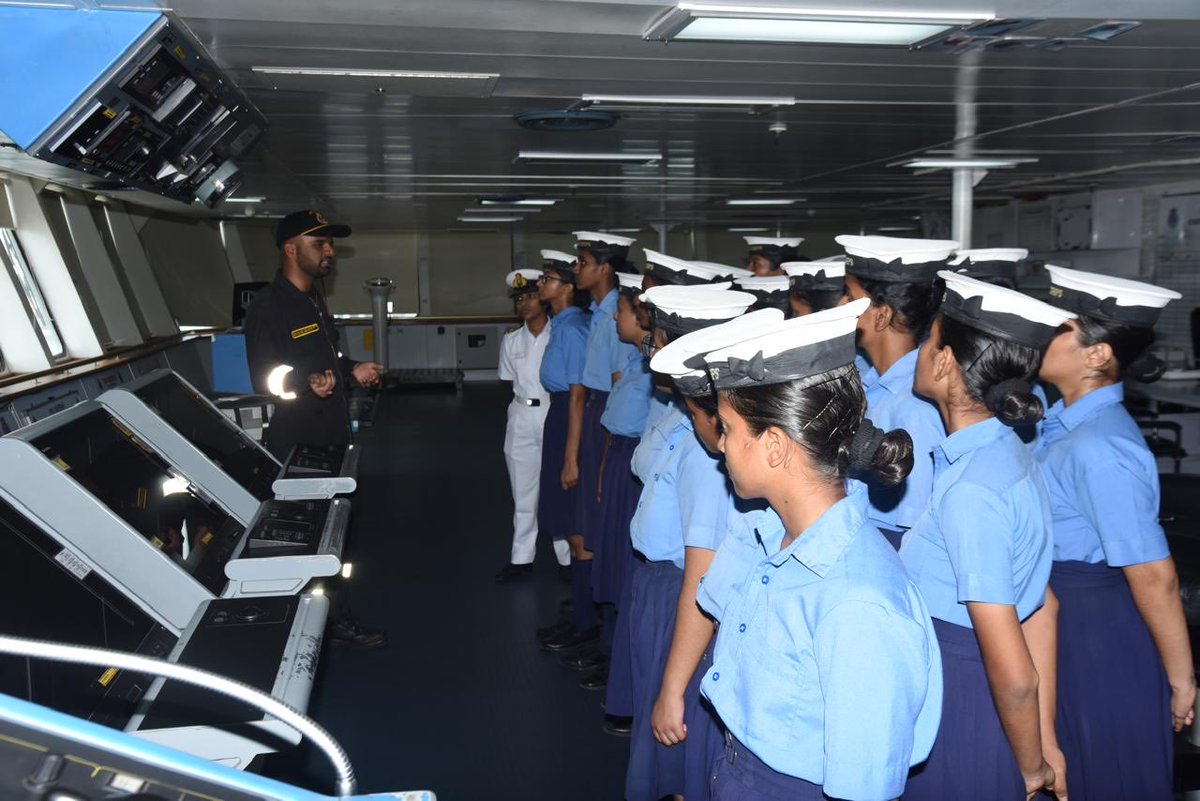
(1163, 437)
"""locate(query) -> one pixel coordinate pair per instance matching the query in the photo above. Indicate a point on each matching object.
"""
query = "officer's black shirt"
(285, 326)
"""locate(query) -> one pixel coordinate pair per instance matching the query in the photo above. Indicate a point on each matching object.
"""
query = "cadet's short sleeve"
(978, 531)
(1119, 495)
(873, 666)
(506, 370)
(703, 496)
(575, 353)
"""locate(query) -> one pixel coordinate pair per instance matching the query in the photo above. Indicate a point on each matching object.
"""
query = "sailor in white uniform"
(520, 362)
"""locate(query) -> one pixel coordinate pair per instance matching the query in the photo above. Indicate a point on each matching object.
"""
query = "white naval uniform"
(520, 362)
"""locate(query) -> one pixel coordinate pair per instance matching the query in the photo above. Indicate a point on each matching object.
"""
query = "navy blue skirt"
(618, 696)
(971, 757)
(556, 506)
(654, 770)
(620, 491)
(1114, 702)
(592, 442)
(705, 741)
(741, 776)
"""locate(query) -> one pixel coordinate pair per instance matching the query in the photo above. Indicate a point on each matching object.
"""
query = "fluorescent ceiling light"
(527, 202)
(976, 164)
(686, 100)
(244, 199)
(351, 73)
(763, 201)
(748, 230)
(638, 156)
(501, 210)
(623, 230)
(489, 219)
(711, 22)
(884, 229)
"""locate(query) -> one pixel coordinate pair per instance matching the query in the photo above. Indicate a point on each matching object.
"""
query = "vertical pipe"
(379, 288)
(962, 197)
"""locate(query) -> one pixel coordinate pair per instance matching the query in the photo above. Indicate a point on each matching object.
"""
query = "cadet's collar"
(820, 545)
(608, 303)
(899, 376)
(971, 438)
(1079, 411)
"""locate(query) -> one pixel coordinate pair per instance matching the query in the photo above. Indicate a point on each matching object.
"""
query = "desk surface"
(1181, 393)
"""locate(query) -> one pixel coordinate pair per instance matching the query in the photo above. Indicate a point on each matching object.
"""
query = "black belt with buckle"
(529, 401)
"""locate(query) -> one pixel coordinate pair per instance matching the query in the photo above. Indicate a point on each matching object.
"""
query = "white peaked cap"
(989, 254)
(725, 269)
(831, 268)
(671, 360)
(999, 311)
(702, 302)
(519, 279)
(889, 248)
(558, 255)
(629, 281)
(1126, 292)
(602, 236)
(782, 242)
(764, 283)
(793, 334)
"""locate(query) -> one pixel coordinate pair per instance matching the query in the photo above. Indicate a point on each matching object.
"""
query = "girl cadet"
(685, 500)
(623, 420)
(769, 291)
(520, 363)
(561, 376)
(679, 716)
(815, 286)
(994, 265)
(980, 555)
(826, 671)
(1124, 662)
(898, 276)
(600, 257)
(766, 253)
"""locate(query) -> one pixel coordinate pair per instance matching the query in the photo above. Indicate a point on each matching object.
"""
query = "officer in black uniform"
(292, 350)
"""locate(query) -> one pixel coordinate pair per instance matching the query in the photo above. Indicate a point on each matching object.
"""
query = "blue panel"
(51, 56)
(231, 371)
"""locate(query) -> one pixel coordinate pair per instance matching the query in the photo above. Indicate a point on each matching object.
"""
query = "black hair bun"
(1146, 368)
(1013, 402)
(893, 459)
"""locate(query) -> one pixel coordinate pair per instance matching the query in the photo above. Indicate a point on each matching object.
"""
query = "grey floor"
(461, 701)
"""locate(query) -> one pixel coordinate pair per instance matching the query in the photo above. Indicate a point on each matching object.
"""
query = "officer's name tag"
(306, 330)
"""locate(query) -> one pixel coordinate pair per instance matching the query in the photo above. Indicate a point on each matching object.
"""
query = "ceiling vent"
(560, 121)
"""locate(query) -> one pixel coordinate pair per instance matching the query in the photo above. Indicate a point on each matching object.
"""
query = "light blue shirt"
(629, 403)
(826, 664)
(891, 403)
(601, 342)
(1103, 482)
(986, 536)
(866, 373)
(562, 363)
(660, 403)
(686, 498)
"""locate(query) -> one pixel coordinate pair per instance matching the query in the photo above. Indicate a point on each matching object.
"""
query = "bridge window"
(35, 303)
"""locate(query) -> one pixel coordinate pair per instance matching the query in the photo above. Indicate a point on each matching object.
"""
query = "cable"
(86, 655)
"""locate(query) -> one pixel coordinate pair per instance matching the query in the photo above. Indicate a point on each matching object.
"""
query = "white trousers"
(523, 456)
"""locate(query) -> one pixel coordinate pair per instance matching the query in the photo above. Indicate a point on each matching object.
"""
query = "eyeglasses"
(547, 277)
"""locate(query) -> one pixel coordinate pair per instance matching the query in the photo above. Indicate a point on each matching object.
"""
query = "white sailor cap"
(683, 359)
(895, 259)
(521, 281)
(989, 262)
(681, 309)
(671, 270)
(796, 348)
(602, 244)
(774, 247)
(629, 284)
(561, 263)
(1107, 297)
(771, 290)
(1001, 312)
(725, 270)
(816, 276)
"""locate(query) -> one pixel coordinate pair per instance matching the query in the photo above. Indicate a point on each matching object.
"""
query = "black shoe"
(511, 572)
(564, 573)
(572, 639)
(617, 726)
(559, 629)
(350, 635)
(588, 658)
(595, 681)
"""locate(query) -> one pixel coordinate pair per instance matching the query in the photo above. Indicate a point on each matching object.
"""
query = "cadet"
(898, 276)
(769, 291)
(981, 553)
(826, 671)
(767, 253)
(815, 286)
(521, 363)
(1125, 675)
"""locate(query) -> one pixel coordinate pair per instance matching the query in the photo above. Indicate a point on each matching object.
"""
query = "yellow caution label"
(1056, 292)
(306, 330)
(179, 53)
(369, 338)
(206, 539)
(110, 113)
(61, 464)
(156, 543)
(107, 676)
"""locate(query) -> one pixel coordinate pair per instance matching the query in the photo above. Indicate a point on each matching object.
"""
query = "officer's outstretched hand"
(367, 374)
(322, 384)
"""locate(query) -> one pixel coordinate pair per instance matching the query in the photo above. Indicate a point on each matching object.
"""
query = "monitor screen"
(202, 424)
(48, 593)
(124, 474)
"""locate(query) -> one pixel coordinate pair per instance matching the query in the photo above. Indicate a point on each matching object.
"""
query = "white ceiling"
(392, 160)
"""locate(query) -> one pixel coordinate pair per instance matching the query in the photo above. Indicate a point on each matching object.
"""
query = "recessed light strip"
(834, 13)
(352, 73)
(577, 155)
(687, 100)
(490, 219)
(765, 201)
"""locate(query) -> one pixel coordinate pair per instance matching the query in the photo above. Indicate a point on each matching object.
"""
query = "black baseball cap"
(307, 223)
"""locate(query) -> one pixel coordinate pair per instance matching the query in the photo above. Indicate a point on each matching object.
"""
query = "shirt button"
(742, 627)
(716, 676)
(656, 476)
(766, 579)
(671, 448)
